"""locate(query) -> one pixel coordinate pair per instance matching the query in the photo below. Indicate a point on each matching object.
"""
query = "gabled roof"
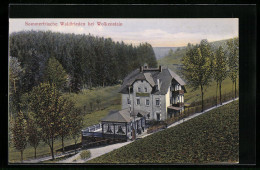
(122, 116)
(177, 78)
(118, 116)
(151, 75)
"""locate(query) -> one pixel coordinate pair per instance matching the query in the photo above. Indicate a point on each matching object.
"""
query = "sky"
(157, 32)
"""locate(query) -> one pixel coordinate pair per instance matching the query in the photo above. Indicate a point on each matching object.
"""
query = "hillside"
(173, 60)
(209, 138)
(111, 101)
(161, 52)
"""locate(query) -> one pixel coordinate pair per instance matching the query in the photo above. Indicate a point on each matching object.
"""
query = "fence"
(195, 107)
(92, 128)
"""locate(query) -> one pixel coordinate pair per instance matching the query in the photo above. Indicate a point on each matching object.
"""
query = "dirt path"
(95, 152)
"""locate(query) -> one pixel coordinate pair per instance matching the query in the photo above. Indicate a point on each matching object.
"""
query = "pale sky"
(157, 32)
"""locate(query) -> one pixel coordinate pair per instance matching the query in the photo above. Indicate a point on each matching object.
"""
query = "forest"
(88, 61)
(45, 65)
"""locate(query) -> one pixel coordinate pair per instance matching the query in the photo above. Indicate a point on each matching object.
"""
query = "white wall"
(152, 108)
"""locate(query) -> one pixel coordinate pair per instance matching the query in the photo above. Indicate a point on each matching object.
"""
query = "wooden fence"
(195, 107)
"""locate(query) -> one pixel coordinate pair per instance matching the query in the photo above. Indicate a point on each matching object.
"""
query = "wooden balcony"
(177, 92)
(179, 104)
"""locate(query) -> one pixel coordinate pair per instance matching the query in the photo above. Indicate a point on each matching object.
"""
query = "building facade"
(157, 91)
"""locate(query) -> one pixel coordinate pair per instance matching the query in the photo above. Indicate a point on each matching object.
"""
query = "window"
(138, 101)
(145, 89)
(157, 102)
(139, 89)
(148, 115)
(109, 129)
(128, 101)
(147, 102)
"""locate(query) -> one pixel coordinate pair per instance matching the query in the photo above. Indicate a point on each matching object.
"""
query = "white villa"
(147, 94)
(159, 92)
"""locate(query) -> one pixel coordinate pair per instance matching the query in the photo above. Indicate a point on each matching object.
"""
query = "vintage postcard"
(123, 91)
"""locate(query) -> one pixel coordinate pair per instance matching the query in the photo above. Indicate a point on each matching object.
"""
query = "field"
(111, 100)
(210, 138)
(192, 96)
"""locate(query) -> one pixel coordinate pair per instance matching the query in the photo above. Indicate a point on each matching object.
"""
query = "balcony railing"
(177, 92)
(179, 104)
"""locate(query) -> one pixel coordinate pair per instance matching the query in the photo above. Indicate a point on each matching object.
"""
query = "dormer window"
(139, 89)
(145, 89)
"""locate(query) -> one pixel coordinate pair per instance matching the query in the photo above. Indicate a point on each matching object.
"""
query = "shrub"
(85, 154)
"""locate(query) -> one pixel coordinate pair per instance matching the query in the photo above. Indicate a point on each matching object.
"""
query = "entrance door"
(158, 116)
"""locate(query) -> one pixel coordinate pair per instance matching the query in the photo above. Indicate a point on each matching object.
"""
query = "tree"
(15, 71)
(91, 105)
(98, 101)
(15, 74)
(55, 74)
(45, 104)
(197, 67)
(233, 60)
(34, 136)
(75, 125)
(19, 133)
(66, 108)
(220, 69)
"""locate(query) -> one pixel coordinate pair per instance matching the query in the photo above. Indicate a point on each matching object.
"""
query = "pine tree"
(19, 133)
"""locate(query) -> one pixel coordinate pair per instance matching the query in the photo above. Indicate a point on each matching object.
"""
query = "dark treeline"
(88, 60)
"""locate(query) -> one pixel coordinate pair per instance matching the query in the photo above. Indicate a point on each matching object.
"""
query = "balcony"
(179, 104)
(177, 92)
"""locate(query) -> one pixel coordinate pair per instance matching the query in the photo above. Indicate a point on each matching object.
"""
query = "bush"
(85, 154)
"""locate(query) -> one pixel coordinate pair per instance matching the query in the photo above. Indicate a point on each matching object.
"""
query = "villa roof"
(151, 75)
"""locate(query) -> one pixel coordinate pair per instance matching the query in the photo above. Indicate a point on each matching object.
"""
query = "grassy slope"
(169, 60)
(210, 138)
(192, 96)
(111, 100)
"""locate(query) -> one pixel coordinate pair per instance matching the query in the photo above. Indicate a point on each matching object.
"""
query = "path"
(38, 160)
(98, 151)
(95, 152)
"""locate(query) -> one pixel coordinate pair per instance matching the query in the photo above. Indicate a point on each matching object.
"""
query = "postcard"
(123, 91)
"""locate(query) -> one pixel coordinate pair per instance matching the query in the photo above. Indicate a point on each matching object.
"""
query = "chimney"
(141, 68)
(158, 84)
(160, 68)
